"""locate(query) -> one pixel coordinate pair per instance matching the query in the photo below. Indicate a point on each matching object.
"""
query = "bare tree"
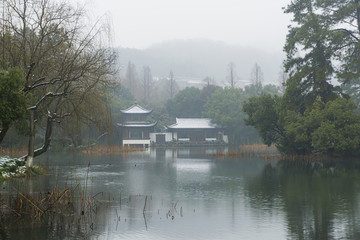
(62, 58)
(131, 78)
(172, 85)
(231, 77)
(282, 78)
(147, 82)
(257, 76)
(209, 81)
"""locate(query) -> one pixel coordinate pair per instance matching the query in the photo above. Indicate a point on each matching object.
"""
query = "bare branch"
(347, 32)
(50, 94)
(51, 82)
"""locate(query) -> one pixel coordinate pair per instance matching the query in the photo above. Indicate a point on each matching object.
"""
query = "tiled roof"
(147, 124)
(136, 109)
(192, 123)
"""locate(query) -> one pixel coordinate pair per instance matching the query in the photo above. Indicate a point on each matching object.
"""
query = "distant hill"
(199, 58)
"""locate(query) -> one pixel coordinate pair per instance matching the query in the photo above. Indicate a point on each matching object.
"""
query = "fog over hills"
(199, 58)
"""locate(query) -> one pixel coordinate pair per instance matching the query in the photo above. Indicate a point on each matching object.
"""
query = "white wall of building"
(129, 142)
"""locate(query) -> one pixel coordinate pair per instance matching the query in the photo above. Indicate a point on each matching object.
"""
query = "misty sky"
(141, 23)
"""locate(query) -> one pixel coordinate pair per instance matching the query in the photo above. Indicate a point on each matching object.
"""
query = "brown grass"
(306, 158)
(103, 150)
(58, 201)
(13, 152)
(253, 150)
(257, 148)
(73, 203)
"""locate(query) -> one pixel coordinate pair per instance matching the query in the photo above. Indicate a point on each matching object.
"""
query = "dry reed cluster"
(104, 149)
(51, 208)
(15, 152)
(254, 150)
(68, 201)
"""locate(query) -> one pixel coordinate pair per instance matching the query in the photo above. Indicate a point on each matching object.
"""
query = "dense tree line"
(222, 105)
(314, 115)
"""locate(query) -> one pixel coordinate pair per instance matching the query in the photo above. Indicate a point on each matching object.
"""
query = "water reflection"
(189, 193)
(320, 202)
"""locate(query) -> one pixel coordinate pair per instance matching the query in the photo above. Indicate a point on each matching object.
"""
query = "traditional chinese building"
(196, 130)
(135, 126)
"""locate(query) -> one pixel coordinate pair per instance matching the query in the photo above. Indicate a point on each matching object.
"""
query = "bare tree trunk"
(3, 131)
(232, 76)
(30, 156)
(171, 84)
(358, 14)
(47, 140)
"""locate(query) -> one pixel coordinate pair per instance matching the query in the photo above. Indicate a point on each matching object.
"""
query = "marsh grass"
(253, 150)
(106, 149)
(72, 205)
(14, 152)
(270, 153)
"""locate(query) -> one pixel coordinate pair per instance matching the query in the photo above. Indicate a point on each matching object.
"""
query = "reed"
(105, 149)
(307, 157)
(257, 147)
(13, 152)
(254, 150)
(51, 207)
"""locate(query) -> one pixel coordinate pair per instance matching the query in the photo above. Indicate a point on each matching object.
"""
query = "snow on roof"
(136, 109)
(137, 124)
(192, 123)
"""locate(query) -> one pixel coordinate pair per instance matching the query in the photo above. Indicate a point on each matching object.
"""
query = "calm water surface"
(192, 195)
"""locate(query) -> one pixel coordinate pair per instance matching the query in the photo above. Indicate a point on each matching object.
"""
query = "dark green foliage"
(333, 127)
(324, 43)
(190, 102)
(309, 58)
(9, 165)
(186, 103)
(313, 115)
(339, 128)
(257, 89)
(12, 99)
(263, 115)
(225, 108)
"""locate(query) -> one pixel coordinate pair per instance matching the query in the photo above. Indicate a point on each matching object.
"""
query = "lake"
(191, 194)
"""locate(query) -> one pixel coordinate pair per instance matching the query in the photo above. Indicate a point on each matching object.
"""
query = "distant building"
(192, 131)
(135, 126)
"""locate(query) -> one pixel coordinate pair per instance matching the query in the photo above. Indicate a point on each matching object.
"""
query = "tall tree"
(257, 76)
(323, 42)
(131, 78)
(262, 113)
(147, 82)
(314, 115)
(61, 57)
(231, 77)
(172, 86)
(186, 103)
(209, 81)
(282, 78)
(224, 107)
